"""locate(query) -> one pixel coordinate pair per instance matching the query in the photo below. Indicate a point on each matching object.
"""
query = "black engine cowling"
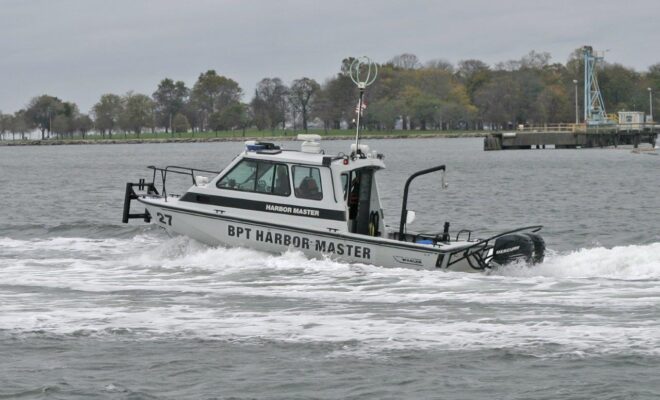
(523, 246)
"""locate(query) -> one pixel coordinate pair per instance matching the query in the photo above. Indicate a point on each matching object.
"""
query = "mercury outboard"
(522, 246)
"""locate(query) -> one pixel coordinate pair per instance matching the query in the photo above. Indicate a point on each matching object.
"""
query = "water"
(91, 308)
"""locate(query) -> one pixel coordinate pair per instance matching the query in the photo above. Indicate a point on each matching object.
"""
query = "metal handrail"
(549, 128)
(404, 210)
(584, 128)
(176, 170)
(462, 231)
(483, 263)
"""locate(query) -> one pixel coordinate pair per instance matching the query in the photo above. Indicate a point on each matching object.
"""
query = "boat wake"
(152, 286)
(634, 262)
(151, 250)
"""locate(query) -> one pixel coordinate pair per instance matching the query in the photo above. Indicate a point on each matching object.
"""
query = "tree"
(654, 76)
(180, 123)
(213, 92)
(336, 101)
(554, 105)
(406, 61)
(107, 113)
(301, 96)
(421, 107)
(621, 88)
(71, 112)
(194, 116)
(170, 98)
(216, 122)
(54, 115)
(452, 115)
(4, 125)
(83, 124)
(345, 68)
(575, 64)
(137, 113)
(499, 101)
(440, 64)
(40, 112)
(260, 113)
(270, 102)
(19, 124)
(244, 117)
(383, 113)
(385, 104)
(473, 74)
(232, 117)
(531, 84)
(61, 125)
(534, 60)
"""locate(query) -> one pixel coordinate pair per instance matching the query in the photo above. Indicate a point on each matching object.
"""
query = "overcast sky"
(78, 50)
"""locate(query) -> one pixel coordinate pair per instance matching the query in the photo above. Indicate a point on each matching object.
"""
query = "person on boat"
(308, 189)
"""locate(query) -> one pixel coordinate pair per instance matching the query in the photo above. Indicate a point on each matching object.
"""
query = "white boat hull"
(219, 229)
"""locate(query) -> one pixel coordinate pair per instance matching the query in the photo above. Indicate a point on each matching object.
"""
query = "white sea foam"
(632, 262)
(589, 301)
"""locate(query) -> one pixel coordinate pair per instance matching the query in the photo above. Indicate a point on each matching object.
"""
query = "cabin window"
(307, 182)
(281, 185)
(344, 184)
(266, 174)
(241, 177)
(258, 176)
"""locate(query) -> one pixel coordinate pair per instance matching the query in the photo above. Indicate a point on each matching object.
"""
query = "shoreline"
(67, 142)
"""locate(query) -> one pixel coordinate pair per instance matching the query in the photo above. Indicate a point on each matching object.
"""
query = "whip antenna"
(363, 73)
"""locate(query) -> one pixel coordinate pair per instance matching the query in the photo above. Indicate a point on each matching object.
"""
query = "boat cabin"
(304, 188)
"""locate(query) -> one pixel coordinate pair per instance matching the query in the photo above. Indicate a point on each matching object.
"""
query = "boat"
(274, 199)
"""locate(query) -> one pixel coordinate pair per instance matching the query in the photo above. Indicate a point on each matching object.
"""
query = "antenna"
(363, 73)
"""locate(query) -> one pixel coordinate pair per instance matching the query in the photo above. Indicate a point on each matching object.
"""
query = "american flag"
(357, 107)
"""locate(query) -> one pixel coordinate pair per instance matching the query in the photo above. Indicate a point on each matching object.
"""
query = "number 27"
(162, 219)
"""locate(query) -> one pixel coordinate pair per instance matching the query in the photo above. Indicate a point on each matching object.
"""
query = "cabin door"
(363, 204)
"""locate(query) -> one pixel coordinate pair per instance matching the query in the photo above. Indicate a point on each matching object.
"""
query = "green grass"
(237, 134)
(275, 133)
(251, 133)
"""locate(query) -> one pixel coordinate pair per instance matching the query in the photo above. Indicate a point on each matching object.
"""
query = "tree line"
(407, 95)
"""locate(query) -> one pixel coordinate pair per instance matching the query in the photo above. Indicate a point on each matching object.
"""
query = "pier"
(598, 129)
(572, 136)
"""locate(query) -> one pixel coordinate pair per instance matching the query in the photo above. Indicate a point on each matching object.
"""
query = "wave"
(73, 229)
(150, 247)
(633, 262)
(151, 286)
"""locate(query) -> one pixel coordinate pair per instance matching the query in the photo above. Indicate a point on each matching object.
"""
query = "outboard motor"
(526, 246)
(539, 247)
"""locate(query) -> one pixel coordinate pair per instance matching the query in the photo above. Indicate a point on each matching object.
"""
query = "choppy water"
(93, 308)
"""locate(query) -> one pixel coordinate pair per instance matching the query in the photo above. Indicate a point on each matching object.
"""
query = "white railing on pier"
(584, 128)
(573, 128)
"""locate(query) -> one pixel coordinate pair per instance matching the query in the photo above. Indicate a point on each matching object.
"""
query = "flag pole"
(363, 73)
(357, 124)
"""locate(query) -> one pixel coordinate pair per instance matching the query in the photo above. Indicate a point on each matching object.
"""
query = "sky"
(78, 50)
